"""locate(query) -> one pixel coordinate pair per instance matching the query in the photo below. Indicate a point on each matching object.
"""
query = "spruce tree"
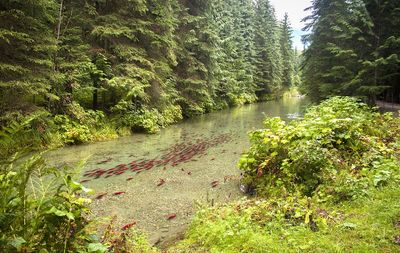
(331, 61)
(287, 52)
(27, 46)
(380, 75)
(194, 52)
(268, 58)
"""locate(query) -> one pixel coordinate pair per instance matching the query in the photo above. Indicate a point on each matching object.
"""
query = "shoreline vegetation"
(74, 72)
(41, 131)
(324, 183)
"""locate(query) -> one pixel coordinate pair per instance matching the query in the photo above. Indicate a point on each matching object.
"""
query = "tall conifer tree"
(287, 52)
(268, 58)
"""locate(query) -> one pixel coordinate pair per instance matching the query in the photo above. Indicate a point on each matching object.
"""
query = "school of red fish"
(179, 153)
(176, 155)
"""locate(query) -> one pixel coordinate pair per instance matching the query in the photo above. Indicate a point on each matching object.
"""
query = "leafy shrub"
(297, 224)
(131, 240)
(337, 152)
(142, 120)
(170, 115)
(41, 209)
(31, 131)
(151, 121)
(238, 226)
(341, 150)
(71, 131)
(242, 99)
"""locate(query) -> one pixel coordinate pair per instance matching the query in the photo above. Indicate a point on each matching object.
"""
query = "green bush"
(151, 121)
(32, 131)
(242, 99)
(41, 209)
(337, 152)
(71, 131)
(130, 241)
(325, 183)
(297, 224)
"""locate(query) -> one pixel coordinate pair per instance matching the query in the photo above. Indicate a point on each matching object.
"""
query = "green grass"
(325, 183)
(365, 225)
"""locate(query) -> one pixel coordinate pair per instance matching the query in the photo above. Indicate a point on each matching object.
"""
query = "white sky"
(295, 10)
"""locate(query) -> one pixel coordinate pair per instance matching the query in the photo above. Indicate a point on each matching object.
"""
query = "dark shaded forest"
(146, 63)
(321, 179)
(353, 49)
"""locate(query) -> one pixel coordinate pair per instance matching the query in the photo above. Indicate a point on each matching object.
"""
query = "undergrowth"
(43, 209)
(324, 183)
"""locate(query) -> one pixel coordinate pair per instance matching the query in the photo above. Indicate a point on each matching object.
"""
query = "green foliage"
(71, 131)
(287, 52)
(352, 49)
(325, 183)
(42, 130)
(151, 120)
(136, 58)
(337, 152)
(41, 209)
(297, 224)
(132, 241)
(26, 48)
(268, 76)
(25, 132)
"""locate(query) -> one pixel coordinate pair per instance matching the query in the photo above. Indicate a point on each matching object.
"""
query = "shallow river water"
(156, 180)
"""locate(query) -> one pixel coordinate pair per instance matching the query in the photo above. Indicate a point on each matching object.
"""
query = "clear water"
(150, 204)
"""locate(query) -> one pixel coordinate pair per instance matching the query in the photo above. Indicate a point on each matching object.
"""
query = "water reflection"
(146, 201)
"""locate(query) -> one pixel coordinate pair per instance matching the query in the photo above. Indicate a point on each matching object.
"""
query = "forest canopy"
(353, 49)
(145, 63)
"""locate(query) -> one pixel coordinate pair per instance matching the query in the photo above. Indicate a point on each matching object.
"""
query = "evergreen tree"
(73, 66)
(194, 52)
(139, 59)
(287, 52)
(137, 38)
(331, 59)
(268, 58)
(353, 49)
(26, 49)
(381, 72)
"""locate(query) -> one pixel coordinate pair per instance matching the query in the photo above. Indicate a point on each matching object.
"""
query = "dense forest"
(146, 64)
(319, 179)
(353, 49)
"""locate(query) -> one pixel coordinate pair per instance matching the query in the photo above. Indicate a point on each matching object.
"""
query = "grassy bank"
(40, 129)
(296, 224)
(43, 130)
(326, 183)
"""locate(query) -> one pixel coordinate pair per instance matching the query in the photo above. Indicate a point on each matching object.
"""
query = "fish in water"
(101, 195)
(86, 180)
(214, 184)
(119, 193)
(105, 161)
(129, 179)
(128, 226)
(161, 182)
(171, 216)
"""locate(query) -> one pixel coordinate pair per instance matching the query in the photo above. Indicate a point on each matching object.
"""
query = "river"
(156, 180)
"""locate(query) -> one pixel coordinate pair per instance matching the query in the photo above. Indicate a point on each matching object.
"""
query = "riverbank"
(198, 199)
(41, 130)
(326, 183)
(185, 183)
